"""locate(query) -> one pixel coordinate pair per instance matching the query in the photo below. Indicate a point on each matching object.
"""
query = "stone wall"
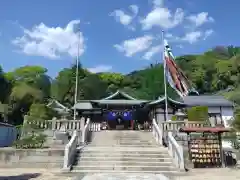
(31, 158)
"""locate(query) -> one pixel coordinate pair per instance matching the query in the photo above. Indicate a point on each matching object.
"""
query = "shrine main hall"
(122, 111)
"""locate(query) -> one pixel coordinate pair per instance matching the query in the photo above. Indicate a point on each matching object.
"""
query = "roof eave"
(119, 92)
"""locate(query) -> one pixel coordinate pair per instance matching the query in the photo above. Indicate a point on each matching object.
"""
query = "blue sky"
(119, 36)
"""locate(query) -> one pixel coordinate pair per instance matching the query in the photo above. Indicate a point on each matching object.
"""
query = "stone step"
(121, 155)
(125, 168)
(126, 145)
(123, 159)
(116, 146)
(172, 175)
(124, 149)
(133, 140)
(124, 163)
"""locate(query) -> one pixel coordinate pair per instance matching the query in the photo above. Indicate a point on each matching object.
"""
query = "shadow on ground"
(21, 177)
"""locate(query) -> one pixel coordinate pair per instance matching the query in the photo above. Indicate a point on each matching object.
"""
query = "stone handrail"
(175, 125)
(157, 132)
(175, 151)
(70, 151)
(85, 131)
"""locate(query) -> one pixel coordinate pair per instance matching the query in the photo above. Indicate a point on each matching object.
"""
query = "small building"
(122, 109)
(158, 110)
(59, 108)
(8, 134)
(218, 106)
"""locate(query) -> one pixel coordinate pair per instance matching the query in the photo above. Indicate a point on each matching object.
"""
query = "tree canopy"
(29, 87)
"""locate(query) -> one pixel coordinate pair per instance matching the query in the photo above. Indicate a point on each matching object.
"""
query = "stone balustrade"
(85, 131)
(164, 131)
(175, 151)
(70, 151)
(157, 132)
(175, 125)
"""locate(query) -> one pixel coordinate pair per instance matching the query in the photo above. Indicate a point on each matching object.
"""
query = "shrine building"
(122, 110)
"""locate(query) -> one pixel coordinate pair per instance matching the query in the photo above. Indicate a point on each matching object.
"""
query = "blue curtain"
(127, 115)
(111, 116)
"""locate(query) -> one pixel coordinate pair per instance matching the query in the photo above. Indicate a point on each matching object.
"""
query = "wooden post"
(221, 149)
(189, 146)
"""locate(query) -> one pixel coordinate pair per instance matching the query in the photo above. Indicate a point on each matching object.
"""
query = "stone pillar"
(54, 119)
(82, 124)
(24, 126)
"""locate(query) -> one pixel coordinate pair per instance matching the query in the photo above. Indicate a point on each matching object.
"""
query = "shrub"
(198, 113)
(174, 118)
(236, 122)
(31, 142)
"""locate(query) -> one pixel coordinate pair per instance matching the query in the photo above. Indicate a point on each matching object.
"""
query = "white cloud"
(149, 54)
(161, 16)
(200, 19)
(100, 68)
(208, 33)
(195, 36)
(134, 9)
(157, 3)
(51, 42)
(133, 46)
(124, 18)
(192, 37)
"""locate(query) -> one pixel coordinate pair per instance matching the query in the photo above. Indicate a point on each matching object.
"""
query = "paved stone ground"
(212, 174)
(125, 177)
(50, 174)
(31, 174)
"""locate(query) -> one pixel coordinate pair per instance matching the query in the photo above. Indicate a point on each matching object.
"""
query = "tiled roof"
(206, 100)
(125, 95)
(83, 105)
(119, 101)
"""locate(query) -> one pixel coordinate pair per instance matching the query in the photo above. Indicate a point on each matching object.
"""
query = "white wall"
(227, 115)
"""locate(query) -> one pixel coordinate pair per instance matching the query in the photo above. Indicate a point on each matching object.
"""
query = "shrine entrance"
(117, 111)
(119, 120)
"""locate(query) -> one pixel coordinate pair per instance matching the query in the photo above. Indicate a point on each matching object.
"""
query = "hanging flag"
(175, 76)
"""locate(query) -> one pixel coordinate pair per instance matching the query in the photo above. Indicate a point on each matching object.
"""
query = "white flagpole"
(165, 78)
(76, 81)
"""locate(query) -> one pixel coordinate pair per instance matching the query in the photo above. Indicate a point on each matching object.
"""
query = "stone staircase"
(124, 152)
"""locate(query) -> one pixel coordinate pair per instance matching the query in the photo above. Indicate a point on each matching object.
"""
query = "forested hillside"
(215, 71)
